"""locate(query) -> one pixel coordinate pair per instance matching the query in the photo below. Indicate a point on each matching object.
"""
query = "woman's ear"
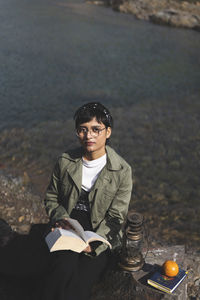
(108, 132)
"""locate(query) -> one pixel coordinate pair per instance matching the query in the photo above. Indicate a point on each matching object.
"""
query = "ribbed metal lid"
(134, 218)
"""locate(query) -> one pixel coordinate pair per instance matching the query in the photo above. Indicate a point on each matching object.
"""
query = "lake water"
(57, 55)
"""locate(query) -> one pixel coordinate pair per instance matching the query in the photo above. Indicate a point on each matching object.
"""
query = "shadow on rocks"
(23, 261)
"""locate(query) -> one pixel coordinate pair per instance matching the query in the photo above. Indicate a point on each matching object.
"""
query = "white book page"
(69, 242)
(68, 232)
(86, 235)
(53, 236)
(78, 228)
(92, 236)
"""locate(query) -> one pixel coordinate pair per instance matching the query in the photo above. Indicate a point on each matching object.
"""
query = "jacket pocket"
(104, 202)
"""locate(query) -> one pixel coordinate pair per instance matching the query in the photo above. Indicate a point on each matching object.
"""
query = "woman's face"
(92, 136)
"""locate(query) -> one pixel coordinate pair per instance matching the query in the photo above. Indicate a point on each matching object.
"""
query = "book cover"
(166, 284)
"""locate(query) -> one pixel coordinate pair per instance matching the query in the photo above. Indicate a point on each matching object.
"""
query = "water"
(57, 55)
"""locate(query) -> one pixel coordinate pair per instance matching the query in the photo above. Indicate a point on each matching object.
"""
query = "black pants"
(39, 274)
(71, 275)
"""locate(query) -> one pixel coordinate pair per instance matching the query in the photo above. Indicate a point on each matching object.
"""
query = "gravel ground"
(19, 207)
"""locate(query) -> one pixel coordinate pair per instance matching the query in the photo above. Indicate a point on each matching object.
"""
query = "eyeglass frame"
(92, 133)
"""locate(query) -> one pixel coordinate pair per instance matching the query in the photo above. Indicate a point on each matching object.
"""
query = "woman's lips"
(89, 143)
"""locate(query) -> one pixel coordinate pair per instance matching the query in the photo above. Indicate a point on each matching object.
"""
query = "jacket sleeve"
(110, 227)
(52, 200)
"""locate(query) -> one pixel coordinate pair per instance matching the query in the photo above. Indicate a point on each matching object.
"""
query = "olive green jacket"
(109, 197)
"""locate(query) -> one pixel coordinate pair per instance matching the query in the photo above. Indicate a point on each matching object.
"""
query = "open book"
(76, 240)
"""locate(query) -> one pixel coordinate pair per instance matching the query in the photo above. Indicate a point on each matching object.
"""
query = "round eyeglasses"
(94, 131)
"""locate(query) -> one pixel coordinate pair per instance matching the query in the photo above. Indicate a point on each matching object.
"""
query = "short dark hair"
(93, 110)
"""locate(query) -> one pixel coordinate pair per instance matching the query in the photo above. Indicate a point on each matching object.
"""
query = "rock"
(24, 228)
(21, 219)
(26, 179)
(197, 282)
(175, 18)
(159, 197)
(165, 12)
(118, 284)
(175, 196)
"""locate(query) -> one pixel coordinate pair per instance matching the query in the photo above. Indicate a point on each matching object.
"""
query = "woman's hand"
(88, 249)
(64, 224)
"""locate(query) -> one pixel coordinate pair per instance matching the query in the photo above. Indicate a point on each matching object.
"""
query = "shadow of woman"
(23, 262)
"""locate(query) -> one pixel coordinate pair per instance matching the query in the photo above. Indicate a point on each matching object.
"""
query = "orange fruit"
(170, 268)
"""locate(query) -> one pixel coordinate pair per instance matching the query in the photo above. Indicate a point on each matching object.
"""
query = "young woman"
(91, 184)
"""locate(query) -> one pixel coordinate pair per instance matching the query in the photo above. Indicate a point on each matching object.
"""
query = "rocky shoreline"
(166, 12)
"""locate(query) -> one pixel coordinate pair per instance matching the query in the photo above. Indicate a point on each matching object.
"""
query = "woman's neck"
(94, 155)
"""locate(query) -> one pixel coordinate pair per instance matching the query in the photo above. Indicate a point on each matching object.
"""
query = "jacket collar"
(75, 168)
(113, 159)
(113, 162)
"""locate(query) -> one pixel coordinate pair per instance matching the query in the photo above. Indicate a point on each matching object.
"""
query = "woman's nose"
(89, 133)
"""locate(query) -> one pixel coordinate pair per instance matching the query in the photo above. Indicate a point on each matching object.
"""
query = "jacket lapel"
(96, 196)
(103, 181)
(98, 202)
(75, 171)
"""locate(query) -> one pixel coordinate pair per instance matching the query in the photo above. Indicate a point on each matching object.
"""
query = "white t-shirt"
(91, 170)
